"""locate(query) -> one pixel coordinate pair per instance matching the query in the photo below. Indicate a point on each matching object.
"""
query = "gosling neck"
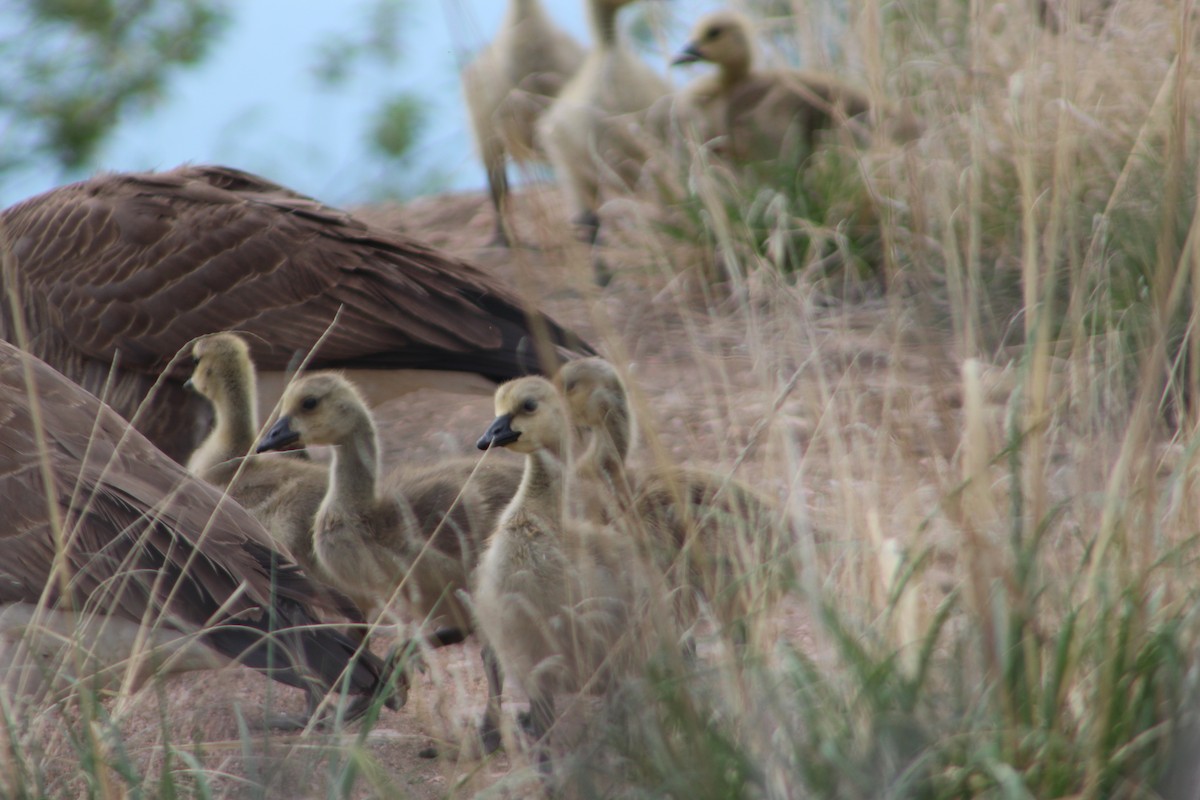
(541, 490)
(610, 441)
(603, 18)
(520, 10)
(732, 73)
(355, 467)
(236, 417)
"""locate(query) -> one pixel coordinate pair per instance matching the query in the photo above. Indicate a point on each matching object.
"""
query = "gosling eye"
(712, 33)
(195, 360)
(529, 406)
(570, 387)
(309, 403)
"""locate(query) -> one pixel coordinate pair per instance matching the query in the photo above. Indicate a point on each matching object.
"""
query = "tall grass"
(998, 591)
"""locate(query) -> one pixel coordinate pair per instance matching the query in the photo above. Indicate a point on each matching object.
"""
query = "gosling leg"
(497, 176)
(588, 225)
(489, 727)
(403, 655)
(536, 724)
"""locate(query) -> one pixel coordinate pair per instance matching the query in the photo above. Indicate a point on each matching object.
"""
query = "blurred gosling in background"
(763, 113)
(588, 141)
(508, 86)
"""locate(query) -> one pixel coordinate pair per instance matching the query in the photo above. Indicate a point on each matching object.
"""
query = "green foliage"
(1083, 699)
(379, 41)
(809, 213)
(1141, 285)
(76, 67)
(399, 120)
(643, 27)
(397, 125)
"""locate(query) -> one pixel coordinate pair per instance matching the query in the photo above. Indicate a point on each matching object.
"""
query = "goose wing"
(142, 263)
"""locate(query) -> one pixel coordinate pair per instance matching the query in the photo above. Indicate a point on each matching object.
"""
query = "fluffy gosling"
(587, 132)
(561, 602)
(508, 86)
(422, 531)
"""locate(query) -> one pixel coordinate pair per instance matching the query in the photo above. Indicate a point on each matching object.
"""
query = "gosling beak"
(498, 434)
(690, 54)
(191, 387)
(279, 437)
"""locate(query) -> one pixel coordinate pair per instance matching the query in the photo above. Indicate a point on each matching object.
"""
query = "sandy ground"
(703, 385)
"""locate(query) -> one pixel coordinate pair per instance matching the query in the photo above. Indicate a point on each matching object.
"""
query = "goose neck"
(611, 438)
(236, 419)
(734, 72)
(541, 489)
(604, 462)
(519, 10)
(618, 432)
(355, 469)
(604, 23)
(603, 454)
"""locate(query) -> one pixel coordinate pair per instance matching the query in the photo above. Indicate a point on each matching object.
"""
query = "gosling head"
(722, 38)
(222, 362)
(593, 391)
(324, 408)
(529, 417)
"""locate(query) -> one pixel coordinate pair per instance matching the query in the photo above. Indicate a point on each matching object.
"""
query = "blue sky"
(255, 103)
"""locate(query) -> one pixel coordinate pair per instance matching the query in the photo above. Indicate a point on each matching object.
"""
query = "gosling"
(282, 492)
(560, 602)
(508, 86)
(709, 534)
(761, 112)
(422, 532)
(585, 121)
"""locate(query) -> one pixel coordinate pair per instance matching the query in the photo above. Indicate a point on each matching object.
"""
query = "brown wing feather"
(143, 263)
(141, 260)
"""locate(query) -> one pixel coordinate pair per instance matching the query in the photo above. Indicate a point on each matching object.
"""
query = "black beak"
(280, 436)
(690, 54)
(498, 434)
(191, 387)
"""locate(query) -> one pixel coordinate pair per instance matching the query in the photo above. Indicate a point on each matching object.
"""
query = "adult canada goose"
(105, 536)
(760, 111)
(560, 602)
(131, 267)
(282, 492)
(509, 85)
(584, 124)
(422, 531)
(709, 534)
